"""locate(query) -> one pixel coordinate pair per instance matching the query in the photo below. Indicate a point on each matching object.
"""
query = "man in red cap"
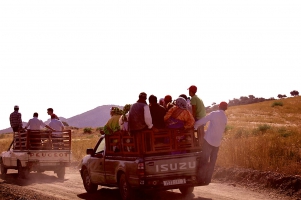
(198, 108)
(212, 140)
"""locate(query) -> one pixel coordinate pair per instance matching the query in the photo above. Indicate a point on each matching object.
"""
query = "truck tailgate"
(49, 156)
(171, 165)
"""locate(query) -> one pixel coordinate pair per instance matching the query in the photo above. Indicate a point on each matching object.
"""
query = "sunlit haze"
(75, 55)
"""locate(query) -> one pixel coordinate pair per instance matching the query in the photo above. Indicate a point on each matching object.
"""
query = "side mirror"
(89, 151)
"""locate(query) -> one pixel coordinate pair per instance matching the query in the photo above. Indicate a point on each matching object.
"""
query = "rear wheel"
(124, 188)
(23, 172)
(186, 190)
(89, 186)
(61, 173)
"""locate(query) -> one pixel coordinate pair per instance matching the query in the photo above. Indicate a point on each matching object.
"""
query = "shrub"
(88, 130)
(277, 103)
(99, 128)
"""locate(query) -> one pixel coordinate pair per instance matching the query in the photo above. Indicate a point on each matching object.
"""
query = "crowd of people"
(15, 119)
(182, 112)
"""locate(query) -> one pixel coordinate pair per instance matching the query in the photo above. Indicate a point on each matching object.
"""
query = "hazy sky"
(77, 55)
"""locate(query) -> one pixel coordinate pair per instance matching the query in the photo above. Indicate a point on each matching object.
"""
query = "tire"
(61, 173)
(23, 172)
(124, 188)
(186, 190)
(89, 186)
(3, 169)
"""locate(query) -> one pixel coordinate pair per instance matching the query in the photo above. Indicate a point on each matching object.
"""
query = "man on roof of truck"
(139, 116)
(36, 124)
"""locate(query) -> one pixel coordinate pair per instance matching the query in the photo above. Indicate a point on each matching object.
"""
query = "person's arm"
(148, 117)
(189, 120)
(20, 120)
(193, 107)
(169, 113)
(202, 121)
(49, 127)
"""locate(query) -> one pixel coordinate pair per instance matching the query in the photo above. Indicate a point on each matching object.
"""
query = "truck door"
(96, 164)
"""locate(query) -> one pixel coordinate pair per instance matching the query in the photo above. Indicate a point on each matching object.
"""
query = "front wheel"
(186, 190)
(124, 188)
(89, 186)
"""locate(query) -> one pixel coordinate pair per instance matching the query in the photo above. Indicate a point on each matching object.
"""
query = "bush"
(88, 130)
(277, 103)
(99, 128)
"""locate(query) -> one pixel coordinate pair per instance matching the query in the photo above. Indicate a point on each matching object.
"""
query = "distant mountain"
(93, 118)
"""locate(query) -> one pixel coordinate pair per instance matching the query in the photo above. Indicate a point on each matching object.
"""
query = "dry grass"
(263, 137)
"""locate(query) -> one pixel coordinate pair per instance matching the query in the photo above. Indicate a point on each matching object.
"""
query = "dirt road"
(46, 186)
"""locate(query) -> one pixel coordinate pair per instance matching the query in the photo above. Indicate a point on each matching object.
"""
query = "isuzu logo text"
(175, 166)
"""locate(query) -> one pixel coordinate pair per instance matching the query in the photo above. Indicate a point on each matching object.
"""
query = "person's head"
(161, 101)
(35, 114)
(152, 99)
(49, 111)
(115, 111)
(223, 106)
(53, 116)
(181, 103)
(142, 96)
(167, 99)
(184, 96)
(192, 90)
(16, 108)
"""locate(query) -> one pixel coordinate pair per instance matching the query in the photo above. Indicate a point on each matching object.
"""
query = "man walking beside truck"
(211, 142)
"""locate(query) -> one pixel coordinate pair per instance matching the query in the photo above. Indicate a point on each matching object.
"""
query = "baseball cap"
(192, 88)
(223, 105)
(16, 106)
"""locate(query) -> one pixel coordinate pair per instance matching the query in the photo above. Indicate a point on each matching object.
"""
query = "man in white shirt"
(57, 125)
(36, 124)
(211, 142)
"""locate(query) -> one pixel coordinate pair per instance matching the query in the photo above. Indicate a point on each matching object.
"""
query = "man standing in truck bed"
(15, 119)
(139, 116)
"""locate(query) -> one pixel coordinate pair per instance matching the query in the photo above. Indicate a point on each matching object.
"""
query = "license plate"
(174, 182)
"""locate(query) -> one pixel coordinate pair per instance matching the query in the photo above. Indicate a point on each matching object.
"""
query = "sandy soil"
(46, 186)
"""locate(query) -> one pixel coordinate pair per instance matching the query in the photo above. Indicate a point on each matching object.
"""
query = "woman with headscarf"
(180, 113)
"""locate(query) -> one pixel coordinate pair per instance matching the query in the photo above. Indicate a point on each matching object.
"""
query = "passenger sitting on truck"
(123, 120)
(139, 115)
(178, 116)
(36, 124)
(168, 102)
(157, 112)
(113, 123)
(57, 137)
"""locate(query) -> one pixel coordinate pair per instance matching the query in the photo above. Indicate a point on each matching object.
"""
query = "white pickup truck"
(38, 151)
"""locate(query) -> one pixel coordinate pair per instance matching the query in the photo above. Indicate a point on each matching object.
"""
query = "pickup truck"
(38, 151)
(148, 160)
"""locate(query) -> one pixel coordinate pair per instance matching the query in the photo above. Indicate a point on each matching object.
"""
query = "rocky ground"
(278, 183)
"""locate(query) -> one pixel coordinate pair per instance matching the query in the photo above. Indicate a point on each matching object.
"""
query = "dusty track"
(47, 186)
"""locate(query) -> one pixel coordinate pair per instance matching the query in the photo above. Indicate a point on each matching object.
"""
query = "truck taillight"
(140, 169)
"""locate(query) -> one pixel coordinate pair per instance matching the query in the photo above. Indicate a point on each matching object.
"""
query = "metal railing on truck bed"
(162, 141)
(42, 140)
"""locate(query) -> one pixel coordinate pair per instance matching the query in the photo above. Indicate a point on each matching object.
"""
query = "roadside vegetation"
(262, 136)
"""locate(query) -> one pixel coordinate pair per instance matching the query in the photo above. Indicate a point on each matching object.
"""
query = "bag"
(173, 122)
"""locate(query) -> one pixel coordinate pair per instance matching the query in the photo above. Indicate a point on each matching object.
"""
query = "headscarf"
(116, 111)
(181, 103)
